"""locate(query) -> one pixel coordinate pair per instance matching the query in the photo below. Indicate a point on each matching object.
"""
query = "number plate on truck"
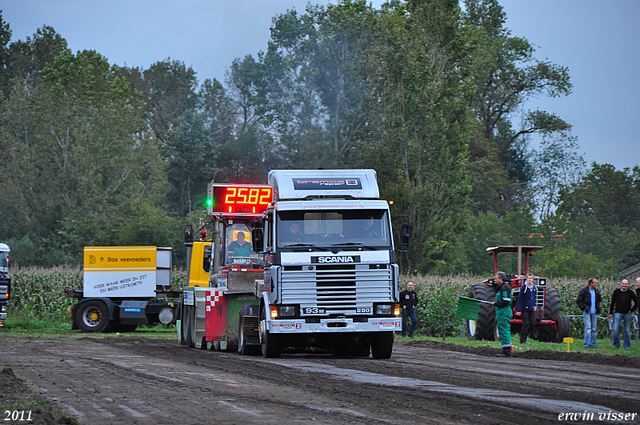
(314, 310)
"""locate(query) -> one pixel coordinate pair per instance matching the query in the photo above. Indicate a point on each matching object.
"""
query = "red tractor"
(551, 324)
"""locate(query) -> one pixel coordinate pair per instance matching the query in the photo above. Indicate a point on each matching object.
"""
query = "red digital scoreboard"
(238, 199)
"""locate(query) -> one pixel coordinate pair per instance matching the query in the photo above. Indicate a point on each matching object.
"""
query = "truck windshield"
(238, 246)
(366, 228)
(3, 260)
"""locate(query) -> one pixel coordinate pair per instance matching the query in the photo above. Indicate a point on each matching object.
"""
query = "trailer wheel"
(382, 345)
(484, 328)
(271, 343)
(93, 316)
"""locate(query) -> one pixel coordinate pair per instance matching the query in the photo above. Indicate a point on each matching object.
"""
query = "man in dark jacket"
(526, 307)
(589, 301)
(504, 314)
(623, 302)
(408, 302)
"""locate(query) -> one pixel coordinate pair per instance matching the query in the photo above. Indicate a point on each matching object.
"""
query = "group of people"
(623, 302)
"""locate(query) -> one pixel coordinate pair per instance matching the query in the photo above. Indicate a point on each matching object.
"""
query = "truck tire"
(382, 345)
(189, 326)
(93, 316)
(271, 343)
(485, 327)
(243, 348)
(361, 350)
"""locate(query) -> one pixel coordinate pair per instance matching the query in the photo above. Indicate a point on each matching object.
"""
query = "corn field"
(39, 294)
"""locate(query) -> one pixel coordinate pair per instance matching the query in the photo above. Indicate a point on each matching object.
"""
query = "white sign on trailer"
(128, 271)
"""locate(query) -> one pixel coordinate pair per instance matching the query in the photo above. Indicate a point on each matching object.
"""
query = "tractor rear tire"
(552, 305)
(553, 311)
(564, 329)
(484, 327)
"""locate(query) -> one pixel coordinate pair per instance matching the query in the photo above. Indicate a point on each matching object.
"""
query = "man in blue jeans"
(589, 301)
(408, 302)
(623, 302)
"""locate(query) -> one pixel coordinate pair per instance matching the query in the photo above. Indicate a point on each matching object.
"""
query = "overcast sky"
(599, 41)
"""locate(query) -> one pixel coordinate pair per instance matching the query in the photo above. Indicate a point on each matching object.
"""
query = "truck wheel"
(190, 328)
(484, 328)
(361, 350)
(382, 345)
(271, 343)
(93, 316)
(243, 348)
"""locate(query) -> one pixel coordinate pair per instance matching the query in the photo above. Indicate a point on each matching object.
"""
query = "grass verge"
(603, 346)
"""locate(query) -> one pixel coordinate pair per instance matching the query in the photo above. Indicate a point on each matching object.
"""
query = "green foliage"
(39, 294)
(506, 74)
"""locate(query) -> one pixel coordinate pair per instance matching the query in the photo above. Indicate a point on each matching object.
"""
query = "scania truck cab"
(330, 272)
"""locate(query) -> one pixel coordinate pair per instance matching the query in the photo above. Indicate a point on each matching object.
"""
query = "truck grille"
(339, 288)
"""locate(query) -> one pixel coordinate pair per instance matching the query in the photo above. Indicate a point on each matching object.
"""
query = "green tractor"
(551, 324)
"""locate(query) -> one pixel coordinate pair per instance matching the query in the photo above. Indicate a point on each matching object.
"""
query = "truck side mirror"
(257, 238)
(188, 233)
(405, 236)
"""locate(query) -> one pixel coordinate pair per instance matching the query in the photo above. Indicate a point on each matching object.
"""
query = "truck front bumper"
(335, 325)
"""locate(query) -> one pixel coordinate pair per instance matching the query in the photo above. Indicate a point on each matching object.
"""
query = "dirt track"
(131, 380)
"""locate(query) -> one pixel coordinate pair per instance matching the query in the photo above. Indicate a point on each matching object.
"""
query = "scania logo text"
(336, 259)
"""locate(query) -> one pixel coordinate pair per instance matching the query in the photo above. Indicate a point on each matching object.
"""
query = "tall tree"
(506, 75)
(190, 155)
(76, 170)
(420, 66)
(169, 90)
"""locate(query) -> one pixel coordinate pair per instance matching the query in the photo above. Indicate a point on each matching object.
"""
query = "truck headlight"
(384, 309)
(287, 311)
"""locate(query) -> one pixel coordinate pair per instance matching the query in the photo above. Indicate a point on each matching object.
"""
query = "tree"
(557, 165)
(420, 66)
(169, 89)
(27, 59)
(76, 165)
(190, 155)
(506, 75)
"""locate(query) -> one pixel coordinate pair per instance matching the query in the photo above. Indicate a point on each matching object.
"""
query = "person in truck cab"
(239, 247)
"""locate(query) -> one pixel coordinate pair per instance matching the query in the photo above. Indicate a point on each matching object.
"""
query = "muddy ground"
(132, 380)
